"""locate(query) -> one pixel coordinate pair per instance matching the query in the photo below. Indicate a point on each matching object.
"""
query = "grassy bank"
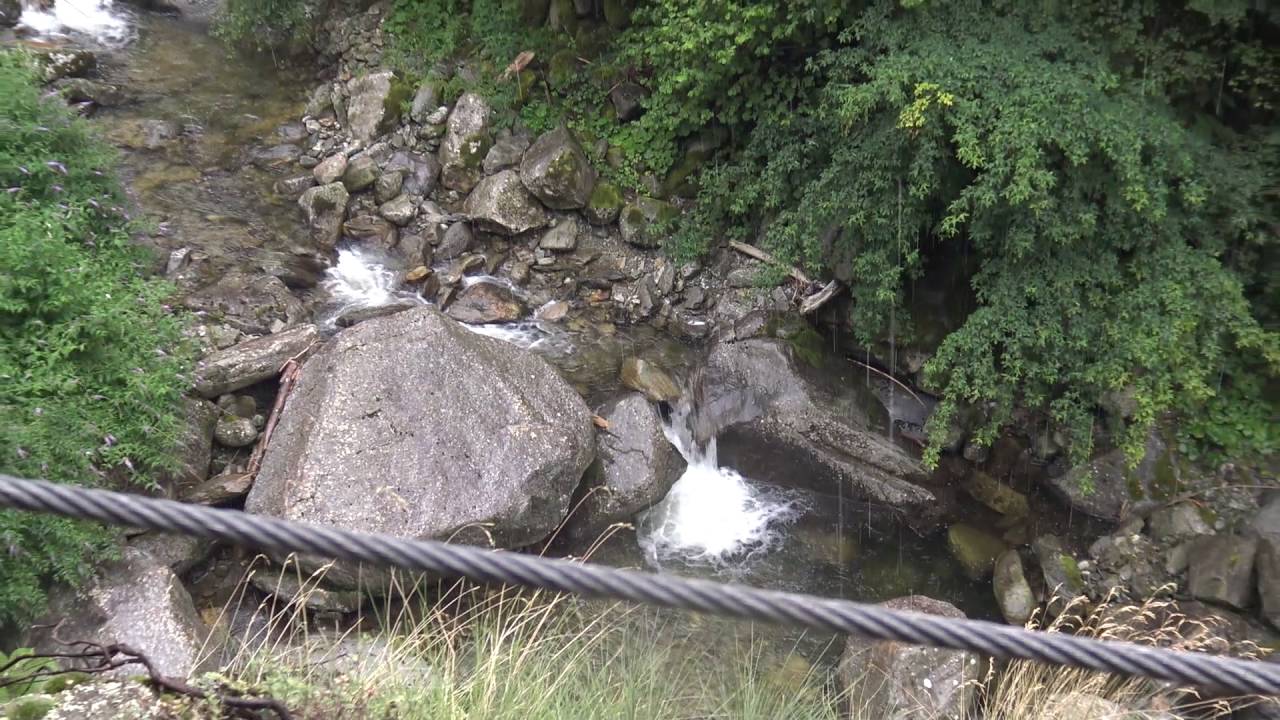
(90, 360)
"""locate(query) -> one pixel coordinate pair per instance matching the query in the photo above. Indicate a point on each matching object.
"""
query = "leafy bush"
(90, 366)
(266, 25)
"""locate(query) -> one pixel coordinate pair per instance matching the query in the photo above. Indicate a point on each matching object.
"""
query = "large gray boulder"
(782, 407)
(324, 207)
(421, 172)
(412, 425)
(556, 169)
(1107, 488)
(501, 204)
(486, 302)
(138, 601)
(635, 467)
(895, 681)
(371, 108)
(1220, 569)
(465, 145)
(253, 361)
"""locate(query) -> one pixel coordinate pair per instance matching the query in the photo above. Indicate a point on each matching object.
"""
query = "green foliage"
(1110, 229)
(17, 680)
(89, 383)
(265, 25)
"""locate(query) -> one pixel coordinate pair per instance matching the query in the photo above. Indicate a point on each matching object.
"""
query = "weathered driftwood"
(758, 254)
(815, 301)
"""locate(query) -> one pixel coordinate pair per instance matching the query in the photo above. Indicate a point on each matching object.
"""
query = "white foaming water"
(97, 19)
(362, 279)
(712, 515)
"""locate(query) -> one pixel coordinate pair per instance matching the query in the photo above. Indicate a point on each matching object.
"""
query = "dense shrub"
(90, 367)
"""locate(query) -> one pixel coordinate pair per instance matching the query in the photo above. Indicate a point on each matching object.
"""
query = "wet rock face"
(413, 425)
(501, 204)
(650, 380)
(974, 549)
(324, 207)
(466, 143)
(557, 171)
(900, 682)
(138, 601)
(10, 11)
(486, 302)
(635, 468)
(773, 409)
(1220, 569)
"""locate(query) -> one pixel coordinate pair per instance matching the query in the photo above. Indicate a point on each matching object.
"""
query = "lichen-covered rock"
(1220, 569)
(486, 302)
(466, 143)
(1013, 592)
(388, 185)
(557, 171)
(330, 169)
(324, 207)
(1061, 572)
(361, 172)
(252, 361)
(995, 494)
(640, 222)
(413, 425)
(1106, 487)
(896, 681)
(501, 204)
(605, 203)
(561, 238)
(235, 432)
(373, 104)
(138, 601)
(426, 100)
(1177, 522)
(975, 550)
(399, 210)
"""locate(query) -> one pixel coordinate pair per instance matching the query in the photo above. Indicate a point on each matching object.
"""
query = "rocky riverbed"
(484, 344)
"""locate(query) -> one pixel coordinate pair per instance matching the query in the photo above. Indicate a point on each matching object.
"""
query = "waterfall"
(362, 279)
(713, 515)
(99, 20)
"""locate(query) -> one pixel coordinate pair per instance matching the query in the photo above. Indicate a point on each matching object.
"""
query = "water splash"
(98, 20)
(712, 515)
(362, 278)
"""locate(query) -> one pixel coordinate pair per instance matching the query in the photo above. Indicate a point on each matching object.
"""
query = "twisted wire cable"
(272, 535)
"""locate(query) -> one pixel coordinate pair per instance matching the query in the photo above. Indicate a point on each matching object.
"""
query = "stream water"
(214, 208)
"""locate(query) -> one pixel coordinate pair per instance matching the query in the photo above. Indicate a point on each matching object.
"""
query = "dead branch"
(890, 378)
(758, 254)
(96, 658)
(288, 376)
(811, 304)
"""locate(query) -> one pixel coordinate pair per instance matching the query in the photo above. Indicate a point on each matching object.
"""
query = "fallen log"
(758, 254)
(812, 303)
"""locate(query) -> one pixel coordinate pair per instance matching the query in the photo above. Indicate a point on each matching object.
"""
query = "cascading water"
(362, 279)
(99, 20)
(712, 515)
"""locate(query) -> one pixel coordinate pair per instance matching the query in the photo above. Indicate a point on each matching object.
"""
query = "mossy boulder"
(975, 550)
(561, 68)
(466, 143)
(557, 171)
(605, 203)
(617, 13)
(374, 103)
(1062, 578)
(501, 204)
(642, 221)
(534, 12)
(1107, 487)
(995, 494)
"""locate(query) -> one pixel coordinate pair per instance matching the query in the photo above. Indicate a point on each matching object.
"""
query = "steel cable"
(1218, 674)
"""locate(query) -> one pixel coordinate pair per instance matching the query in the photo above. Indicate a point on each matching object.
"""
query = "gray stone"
(505, 153)
(650, 380)
(1268, 560)
(1177, 522)
(414, 426)
(635, 467)
(457, 240)
(62, 62)
(275, 156)
(369, 112)
(388, 185)
(219, 490)
(501, 204)
(421, 172)
(400, 210)
(320, 103)
(1220, 569)
(253, 303)
(251, 362)
(778, 405)
(1076, 705)
(371, 230)
(361, 173)
(330, 169)
(415, 250)
(138, 601)
(639, 223)
(1267, 522)
(355, 315)
(243, 406)
(111, 700)
(561, 238)
(974, 549)
(896, 681)
(1061, 572)
(557, 171)
(179, 553)
(10, 11)
(605, 203)
(293, 586)
(486, 302)
(194, 445)
(1013, 592)
(78, 90)
(324, 207)
(995, 495)
(235, 432)
(627, 98)
(426, 100)
(293, 187)
(466, 143)
(1107, 488)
